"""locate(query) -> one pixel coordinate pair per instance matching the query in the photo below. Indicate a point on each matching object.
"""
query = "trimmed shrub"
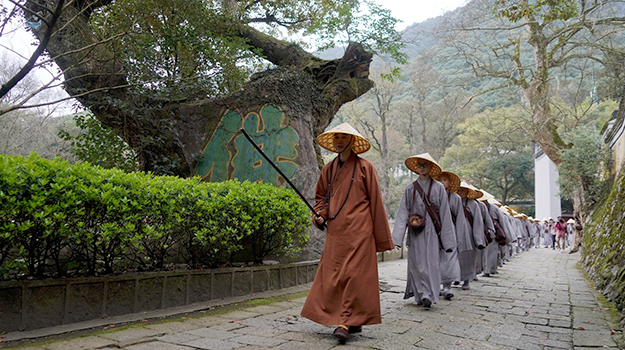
(56, 217)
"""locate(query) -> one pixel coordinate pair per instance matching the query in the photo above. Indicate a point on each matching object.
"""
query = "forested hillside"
(477, 127)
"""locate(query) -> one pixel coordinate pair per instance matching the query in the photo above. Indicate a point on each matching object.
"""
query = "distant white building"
(546, 187)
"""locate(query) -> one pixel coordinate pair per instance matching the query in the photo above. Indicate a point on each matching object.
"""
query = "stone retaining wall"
(603, 253)
(28, 305)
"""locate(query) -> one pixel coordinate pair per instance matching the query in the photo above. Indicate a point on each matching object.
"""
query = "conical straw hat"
(359, 144)
(495, 202)
(485, 196)
(478, 193)
(454, 180)
(570, 221)
(471, 194)
(411, 163)
(509, 210)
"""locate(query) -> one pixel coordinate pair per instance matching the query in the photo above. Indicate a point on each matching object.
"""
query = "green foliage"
(99, 144)
(54, 216)
(611, 76)
(254, 216)
(175, 49)
(364, 22)
(546, 10)
(584, 166)
(184, 49)
(495, 154)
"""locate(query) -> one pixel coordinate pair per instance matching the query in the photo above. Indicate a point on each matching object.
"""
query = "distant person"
(473, 215)
(424, 242)
(345, 291)
(561, 233)
(450, 265)
(492, 251)
(570, 230)
(552, 232)
(489, 236)
(546, 234)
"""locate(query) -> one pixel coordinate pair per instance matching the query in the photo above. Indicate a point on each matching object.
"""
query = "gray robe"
(424, 276)
(546, 235)
(488, 223)
(467, 258)
(505, 224)
(450, 266)
(504, 221)
(531, 232)
(492, 251)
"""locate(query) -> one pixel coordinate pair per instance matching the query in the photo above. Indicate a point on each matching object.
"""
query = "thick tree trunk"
(385, 172)
(284, 108)
(579, 215)
(536, 91)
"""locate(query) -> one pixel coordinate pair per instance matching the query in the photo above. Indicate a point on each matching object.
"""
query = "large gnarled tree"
(177, 79)
(163, 74)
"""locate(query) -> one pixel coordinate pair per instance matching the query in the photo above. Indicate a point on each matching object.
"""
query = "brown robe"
(346, 289)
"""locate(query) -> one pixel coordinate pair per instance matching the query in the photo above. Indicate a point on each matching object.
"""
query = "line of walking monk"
(452, 231)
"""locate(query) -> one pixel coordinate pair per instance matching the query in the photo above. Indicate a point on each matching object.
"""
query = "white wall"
(546, 189)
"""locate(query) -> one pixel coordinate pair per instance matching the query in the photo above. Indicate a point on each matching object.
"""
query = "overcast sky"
(415, 11)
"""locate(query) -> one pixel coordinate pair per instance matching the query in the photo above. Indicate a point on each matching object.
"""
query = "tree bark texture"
(579, 215)
(284, 109)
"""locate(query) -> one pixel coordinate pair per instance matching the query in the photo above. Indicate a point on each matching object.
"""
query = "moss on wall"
(604, 242)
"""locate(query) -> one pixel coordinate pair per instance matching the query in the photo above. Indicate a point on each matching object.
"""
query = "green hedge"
(56, 218)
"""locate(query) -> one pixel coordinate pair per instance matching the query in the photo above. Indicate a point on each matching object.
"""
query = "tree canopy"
(149, 70)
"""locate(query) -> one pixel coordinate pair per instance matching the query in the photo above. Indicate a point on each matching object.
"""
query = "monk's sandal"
(341, 334)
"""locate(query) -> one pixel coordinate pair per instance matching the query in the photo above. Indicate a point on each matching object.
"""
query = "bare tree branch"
(33, 58)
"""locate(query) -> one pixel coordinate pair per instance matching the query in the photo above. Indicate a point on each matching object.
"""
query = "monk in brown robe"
(345, 291)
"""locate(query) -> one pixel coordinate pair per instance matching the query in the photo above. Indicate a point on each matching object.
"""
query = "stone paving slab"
(172, 327)
(157, 346)
(130, 333)
(595, 338)
(529, 305)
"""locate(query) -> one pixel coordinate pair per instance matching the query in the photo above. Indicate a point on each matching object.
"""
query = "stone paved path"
(539, 300)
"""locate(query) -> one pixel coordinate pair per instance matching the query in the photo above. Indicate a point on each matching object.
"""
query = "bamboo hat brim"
(478, 193)
(454, 180)
(509, 210)
(485, 196)
(472, 194)
(411, 163)
(359, 144)
(495, 202)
